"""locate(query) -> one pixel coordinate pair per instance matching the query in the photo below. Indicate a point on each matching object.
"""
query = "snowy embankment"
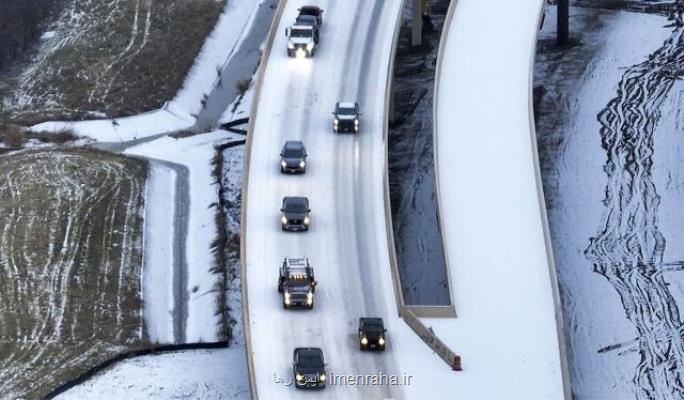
(195, 153)
(623, 328)
(492, 214)
(179, 113)
(198, 374)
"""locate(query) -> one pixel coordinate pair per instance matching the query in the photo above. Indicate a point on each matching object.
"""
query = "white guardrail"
(558, 308)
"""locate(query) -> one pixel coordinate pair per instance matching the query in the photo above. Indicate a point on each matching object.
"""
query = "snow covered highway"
(347, 243)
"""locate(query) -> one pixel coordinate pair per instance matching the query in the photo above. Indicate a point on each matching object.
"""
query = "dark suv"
(293, 157)
(313, 11)
(371, 334)
(308, 367)
(346, 117)
(295, 214)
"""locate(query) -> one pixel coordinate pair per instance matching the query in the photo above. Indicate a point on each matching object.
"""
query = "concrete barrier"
(562, 343)
(245, 181)
(408, 314)
(452, 359)
(438, 72)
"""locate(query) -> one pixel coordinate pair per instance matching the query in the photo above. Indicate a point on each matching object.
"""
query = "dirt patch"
(70, 265)
(109, 59)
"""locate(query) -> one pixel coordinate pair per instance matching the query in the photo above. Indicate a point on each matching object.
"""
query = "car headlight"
(283, 220)
(356, 122)
(309, 298)
(381, 341)
(306, 220)
(290, 45)
(336, 122)
(364, 340)
(309, 46)
(287, 298)
(302, 164)
(321, 377)
(283, 164)
(299, 377)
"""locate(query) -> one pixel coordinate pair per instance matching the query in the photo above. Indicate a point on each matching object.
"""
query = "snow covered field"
(70, 264)
(614, 161)
(109, 58)
(180, 112)
(491, 213)
(198, 374)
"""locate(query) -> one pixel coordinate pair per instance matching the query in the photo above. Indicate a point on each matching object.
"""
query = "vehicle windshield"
(301, 33)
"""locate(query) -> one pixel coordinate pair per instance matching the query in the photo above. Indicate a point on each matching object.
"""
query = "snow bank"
(198, 374)
(152, 123)
(158, 296)
(195, 153)
(230, 30)
(494, 235)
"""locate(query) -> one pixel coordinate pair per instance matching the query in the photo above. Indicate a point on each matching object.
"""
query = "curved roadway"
(492, 210)
(347, 242)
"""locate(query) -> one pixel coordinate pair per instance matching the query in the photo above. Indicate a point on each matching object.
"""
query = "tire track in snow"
(628, 249)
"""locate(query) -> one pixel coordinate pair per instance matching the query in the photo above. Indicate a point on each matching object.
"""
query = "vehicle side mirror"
(384, 330)
(308, 210)
(287, 31)
(282, 210)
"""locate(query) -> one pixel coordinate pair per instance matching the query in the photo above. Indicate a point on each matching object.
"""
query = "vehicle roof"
(293, 145)
(293, 261)
(371, 321)
(303, 27)
(308, 351)
(346, 104)
(296, 200)
(297, 272)
(310, 8)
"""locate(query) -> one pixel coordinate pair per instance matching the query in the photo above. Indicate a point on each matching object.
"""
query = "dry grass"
(110, 57)
(15, 137)
(70, 264)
